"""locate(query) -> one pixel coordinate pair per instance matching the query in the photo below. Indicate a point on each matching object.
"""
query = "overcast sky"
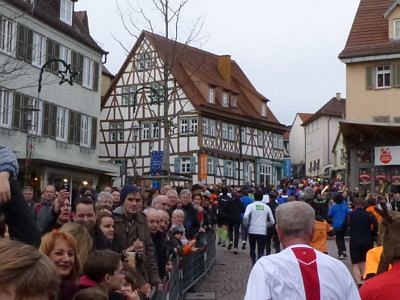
(288, 49)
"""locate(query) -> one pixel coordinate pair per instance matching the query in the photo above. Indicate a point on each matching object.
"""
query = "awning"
(357, 134)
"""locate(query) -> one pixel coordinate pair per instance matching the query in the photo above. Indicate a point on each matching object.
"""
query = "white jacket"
(258, 216)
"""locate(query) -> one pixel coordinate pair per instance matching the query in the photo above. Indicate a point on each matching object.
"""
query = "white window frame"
(210, 165)
(193, 125)
(36, 124)
(244, 135)
(62, 124)
(66, 11)
(184, 126)
(7, 36)
(128, 95)
(38, 49)
(86, 126)
(225, 99)
(185, 165)
(382, 71)
(224, 131)
(65, 54)
(260, 138)
(396, 29)
(6, 108)
(231, 129)
(155, 130)
(212, 127)
(205, 127)
(116, 131)
(87, 73)
(229, 169)
(211, 95)
(145, 131)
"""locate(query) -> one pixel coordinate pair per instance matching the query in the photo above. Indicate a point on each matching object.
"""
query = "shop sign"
(365, 176)
(387, 155)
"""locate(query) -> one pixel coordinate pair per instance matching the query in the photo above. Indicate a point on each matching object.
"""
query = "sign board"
(387, 155)
(156, 162)
(287, 167)
(203, 166)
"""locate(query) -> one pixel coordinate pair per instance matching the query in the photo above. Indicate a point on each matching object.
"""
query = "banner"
(287, 167)
(203, 166)
(156, 162)
(387, 155)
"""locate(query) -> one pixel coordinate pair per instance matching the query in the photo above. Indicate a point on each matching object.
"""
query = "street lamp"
(32, 106)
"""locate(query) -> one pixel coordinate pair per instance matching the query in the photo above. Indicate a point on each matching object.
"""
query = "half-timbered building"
(220, 127)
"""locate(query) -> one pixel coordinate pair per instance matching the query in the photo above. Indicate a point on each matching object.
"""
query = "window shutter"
(77, 128)
(235, 169)
(71, 127)
(53, 121)
(225, 168)
(396, 75)
(29, 45)
(245, 171)
(50, 54)
(215, 165)
(56, 54)
(24, 113)
(46, 118)
(80, 68)
(17, 111)
(94, 132)
(21, 41)
(257, 173)
(193, 164)
(177, 165)
(96, 77)
(370, 77)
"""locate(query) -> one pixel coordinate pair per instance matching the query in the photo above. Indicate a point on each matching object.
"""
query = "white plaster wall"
(297, 142)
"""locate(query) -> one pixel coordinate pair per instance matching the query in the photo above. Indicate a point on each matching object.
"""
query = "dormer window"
(225, 99)
(66, 10)
(211, 95)
(234, 100)
(263, 109)
(396, 29)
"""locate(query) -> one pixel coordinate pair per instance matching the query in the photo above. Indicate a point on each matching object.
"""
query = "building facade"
(52, 132)
(320, 134)
(371, 129)
(220, 129)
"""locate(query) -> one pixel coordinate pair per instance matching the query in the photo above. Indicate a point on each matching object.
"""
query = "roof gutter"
(369, 58)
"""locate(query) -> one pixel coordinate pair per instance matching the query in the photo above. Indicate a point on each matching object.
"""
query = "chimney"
(224, 67)
(338, 96)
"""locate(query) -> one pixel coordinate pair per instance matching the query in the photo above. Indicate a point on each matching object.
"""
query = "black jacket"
(191, 222)
(19, 218)
(233, 210)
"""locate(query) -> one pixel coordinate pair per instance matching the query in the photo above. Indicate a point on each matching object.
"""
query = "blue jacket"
(246, 200)
(338, 213)
(8, 161)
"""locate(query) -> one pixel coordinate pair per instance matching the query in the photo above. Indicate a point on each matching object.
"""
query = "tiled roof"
(333, 108)
(47, 11)
(193, 67)
(369, 34)
(287, 133)
(304, 116)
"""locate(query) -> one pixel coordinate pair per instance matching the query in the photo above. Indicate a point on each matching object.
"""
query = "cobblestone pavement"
(228, 277)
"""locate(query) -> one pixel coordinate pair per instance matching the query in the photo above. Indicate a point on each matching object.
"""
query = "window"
(87, 76)
(244, 135)
(210, 165)
(66, 9)
(396, 29)
(234, 100)
(38, 49)
(224, 131)
(116, 133)
(184, 126)
(185, 165)
(231, 129)
(145, 131)
(65, 54)
(212, 127)
(85, 130)
(225, 99)
(205, 127)
(7, 35)
(193, 125)
(211, 95)
(128, 95)
(381, 119)
(275, 141)
(263, 109)
(144, 61)
(35, 118)
(62, 124)
(156, 130)
(229, 169)
(5, 108)
(280, 142)
(383, 76)
(260, 140)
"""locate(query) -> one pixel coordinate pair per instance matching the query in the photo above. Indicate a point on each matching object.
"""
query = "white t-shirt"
(259, 214)
(278, 277)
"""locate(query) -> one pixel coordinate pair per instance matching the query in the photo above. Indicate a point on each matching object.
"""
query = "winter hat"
(128, 189)
(308, 193)
(177, 229)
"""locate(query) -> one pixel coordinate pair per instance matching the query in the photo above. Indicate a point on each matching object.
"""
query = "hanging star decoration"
(67, 75)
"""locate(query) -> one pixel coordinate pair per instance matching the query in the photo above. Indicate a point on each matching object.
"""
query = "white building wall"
(297, 142)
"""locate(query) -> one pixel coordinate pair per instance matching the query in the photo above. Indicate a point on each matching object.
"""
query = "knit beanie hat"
(309, 193)
(128, 189)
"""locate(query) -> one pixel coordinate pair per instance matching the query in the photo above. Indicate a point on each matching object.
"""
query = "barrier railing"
(189, 270)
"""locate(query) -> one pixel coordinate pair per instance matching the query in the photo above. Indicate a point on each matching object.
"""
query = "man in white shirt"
(299, 272)
(258, 216)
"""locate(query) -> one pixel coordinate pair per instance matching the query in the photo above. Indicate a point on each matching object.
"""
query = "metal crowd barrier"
(189, 270)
